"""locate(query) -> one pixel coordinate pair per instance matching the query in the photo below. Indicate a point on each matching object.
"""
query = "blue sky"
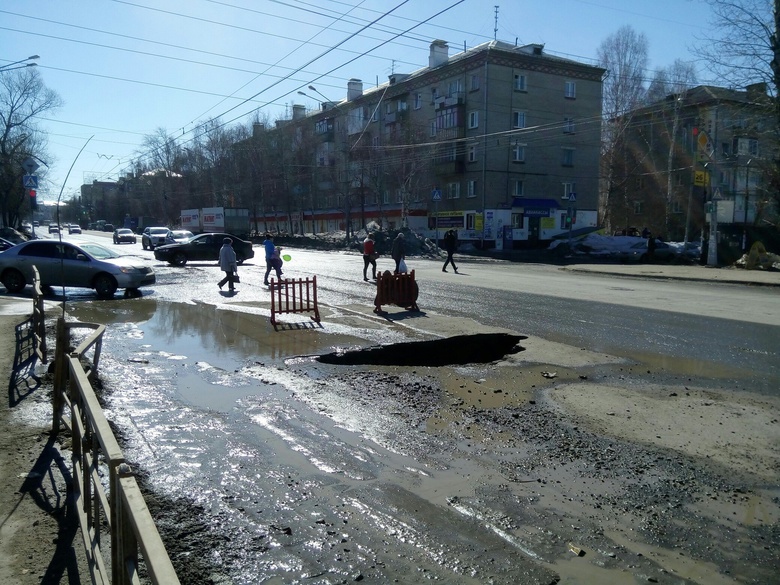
(127, 67)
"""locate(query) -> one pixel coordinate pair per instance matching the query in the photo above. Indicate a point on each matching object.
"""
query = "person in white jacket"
(227, 263)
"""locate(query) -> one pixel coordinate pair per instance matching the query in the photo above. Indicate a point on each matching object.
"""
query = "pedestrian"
(397, 251)
(268, 244)
(645, 233)
(227, 263)
(369, 256)
(450, 245)
(276, 261)
(650, 247)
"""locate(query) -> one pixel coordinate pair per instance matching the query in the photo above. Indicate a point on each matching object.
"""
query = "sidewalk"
(726, 275)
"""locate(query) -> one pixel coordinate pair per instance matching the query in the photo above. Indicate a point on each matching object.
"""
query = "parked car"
(153, 237)
(87, 265)
(663, 253)
(203, 247)
(108, 227)
(179, 236)
(5, 244)
(74, 228)
(124, 236)
(54, 228)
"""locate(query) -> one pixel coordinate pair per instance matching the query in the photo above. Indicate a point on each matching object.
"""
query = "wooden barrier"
(396, 289)
(294, 296)
(96, 453)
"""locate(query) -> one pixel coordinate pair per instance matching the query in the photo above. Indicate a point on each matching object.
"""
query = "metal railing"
(98, 458)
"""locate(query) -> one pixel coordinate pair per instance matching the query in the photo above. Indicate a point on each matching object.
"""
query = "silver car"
(87, 265)
(154, 236)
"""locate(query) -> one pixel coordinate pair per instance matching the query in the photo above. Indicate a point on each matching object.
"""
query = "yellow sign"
(701, 178)
(547, 223)
(478, 222)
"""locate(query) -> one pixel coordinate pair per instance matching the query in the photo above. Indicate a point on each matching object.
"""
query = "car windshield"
(159, 231)
(98, 251)
(182, 234)
(124, 232)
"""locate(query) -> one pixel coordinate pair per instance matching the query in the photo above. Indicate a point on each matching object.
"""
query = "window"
(453, 190)
(640, 182)
(452, 152)
(473, 119)
(518, 119)
(386, 197)
(433, 128)
(752, 147)
(417, 101)
(374, 113)
(375, 141)
(471, 190)
(568, 157)
(568, 125)
(434, 94)
(447, 118)
(471, 221)
(472, 154)
(401, 107)
(399, 195)
(455, 87)
(520, 82)
(571, 90)
(637, 208)
(389, 108)
(568, 189)
(725, 148)
(517, 221)
(474, 82)
(518, 187)
(676, 207)
(518, 152)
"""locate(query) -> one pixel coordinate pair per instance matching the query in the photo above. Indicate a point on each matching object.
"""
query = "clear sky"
(127, 67)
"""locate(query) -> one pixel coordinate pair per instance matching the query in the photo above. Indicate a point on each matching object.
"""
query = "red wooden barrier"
(396, 289)
(294, 296)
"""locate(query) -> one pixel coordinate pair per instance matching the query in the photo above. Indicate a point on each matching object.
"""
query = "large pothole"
(479, 348)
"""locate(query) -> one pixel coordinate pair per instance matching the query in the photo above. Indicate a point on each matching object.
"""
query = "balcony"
(456, 99)
(448, 167)
(450, 133)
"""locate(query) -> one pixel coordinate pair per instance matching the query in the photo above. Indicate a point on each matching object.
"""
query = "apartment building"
(500, 142)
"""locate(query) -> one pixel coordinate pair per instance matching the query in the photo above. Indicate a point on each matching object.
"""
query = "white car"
(154, 236)
(87, 265)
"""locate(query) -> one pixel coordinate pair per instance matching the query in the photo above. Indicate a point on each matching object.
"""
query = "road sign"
(572, 197)
(436, 195)
(30, 181)
(30, 165)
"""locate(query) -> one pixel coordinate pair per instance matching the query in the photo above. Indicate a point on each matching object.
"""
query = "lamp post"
(315, 90)
(10, 66)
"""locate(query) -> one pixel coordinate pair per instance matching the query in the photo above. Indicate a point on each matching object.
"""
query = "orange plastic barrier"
(396, 289)
(294, 295)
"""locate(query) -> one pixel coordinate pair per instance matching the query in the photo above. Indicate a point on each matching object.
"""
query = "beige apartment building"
(500, 142)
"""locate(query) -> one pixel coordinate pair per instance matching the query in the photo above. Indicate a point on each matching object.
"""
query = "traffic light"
(33, 199)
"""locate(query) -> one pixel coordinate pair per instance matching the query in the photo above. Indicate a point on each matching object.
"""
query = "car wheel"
(179, 259)
(105, 286)
(643, 258)
(239, 259)
(13, 280)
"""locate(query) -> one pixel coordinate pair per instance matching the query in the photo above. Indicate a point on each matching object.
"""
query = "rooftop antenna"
(495, 25)
(392, 67)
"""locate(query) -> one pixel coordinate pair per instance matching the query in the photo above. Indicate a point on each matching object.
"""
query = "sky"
(126, 68)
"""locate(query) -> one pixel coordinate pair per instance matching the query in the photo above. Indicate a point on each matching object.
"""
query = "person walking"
(397, 251)
(227, 263)
(450, 245)
(268, 244)
(369, 256)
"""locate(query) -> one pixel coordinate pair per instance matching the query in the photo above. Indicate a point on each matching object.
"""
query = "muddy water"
(273, 467)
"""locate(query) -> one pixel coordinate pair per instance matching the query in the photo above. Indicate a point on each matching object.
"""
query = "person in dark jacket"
(397, 251)
(450, 245)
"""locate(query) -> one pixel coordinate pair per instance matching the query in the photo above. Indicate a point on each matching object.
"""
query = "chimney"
(756, 90)
(299, 111)
(439, 53)
(354, 89)
(257, 129)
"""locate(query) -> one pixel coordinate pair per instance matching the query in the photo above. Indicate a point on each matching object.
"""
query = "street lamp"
(10, 66)
(747, 198)
(315, 90)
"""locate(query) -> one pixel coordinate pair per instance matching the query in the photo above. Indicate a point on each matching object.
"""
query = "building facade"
(499, 142)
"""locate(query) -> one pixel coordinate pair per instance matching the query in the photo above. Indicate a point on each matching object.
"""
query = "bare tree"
(624, 56)
(23, 98)
(745, 50)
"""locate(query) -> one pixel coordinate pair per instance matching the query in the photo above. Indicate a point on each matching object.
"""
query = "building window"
(637, 208)
(474, 82)
(455, 87)
(518, 187)
(517, 221)
(433, 128)
(571, 90)
(471, 221)
(434, 94)
(567, 159)
(568, 125)
(417, 101)
(472, 154)
(640, 182)
(453, 190)
(521, 82)
(399, 195)
(518, 152)
(401, 107)
(569, 189)
(374, 113)
(474, 119)
(518, 119)
(752, 147)
(676, 207)
(389, 108)
(472, 189)
(451, 152)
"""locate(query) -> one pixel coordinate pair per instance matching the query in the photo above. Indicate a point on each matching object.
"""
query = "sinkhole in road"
(478, 348)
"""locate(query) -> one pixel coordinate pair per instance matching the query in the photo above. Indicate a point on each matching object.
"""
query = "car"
(203, 247)
(88, 265)
(108, 227)
(153, 237)
(74, 229)
(5, 244)
(638, 253)
(13, 235)
(54, 228)
(124, 236)
(178, 236)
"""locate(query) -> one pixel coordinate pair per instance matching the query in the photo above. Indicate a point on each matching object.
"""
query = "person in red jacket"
(369, 256)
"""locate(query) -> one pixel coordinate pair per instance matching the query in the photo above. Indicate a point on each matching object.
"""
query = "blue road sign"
(436, 195)
(30, 181)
